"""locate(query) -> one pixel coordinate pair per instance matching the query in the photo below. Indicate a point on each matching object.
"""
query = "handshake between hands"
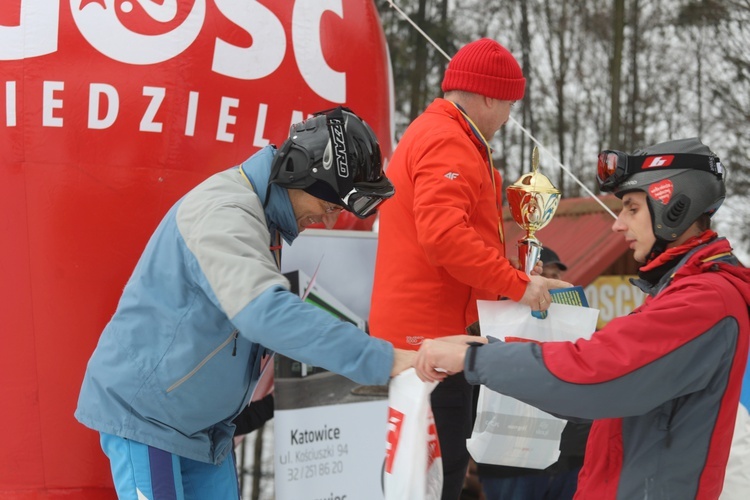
(436, 358)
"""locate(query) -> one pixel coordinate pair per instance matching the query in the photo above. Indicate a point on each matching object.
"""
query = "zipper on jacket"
(234, 349)
(205, 360)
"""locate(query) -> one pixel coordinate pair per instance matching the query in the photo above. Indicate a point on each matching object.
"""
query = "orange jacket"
(439, 247)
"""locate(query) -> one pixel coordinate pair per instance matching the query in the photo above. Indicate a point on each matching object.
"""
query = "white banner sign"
(333, 452)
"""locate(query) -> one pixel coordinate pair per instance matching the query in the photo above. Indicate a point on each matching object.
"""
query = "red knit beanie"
(487, 68)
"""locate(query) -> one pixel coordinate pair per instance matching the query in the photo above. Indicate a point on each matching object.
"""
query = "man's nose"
(618, 226)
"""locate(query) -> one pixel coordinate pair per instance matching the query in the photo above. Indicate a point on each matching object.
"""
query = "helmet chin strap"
(275, 167)
(659, 246)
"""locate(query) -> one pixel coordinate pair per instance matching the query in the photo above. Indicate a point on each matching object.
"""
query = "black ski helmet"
(683, 179)
(334, 156)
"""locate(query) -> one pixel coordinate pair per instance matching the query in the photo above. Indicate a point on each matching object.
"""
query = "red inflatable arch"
(110, 110)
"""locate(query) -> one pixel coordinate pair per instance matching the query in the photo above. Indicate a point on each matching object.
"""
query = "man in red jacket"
(441, 244)
(663, 383)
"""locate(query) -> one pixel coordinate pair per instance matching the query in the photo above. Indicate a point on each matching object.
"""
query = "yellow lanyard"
(276, 247)
(717, 256)
(707, 259)
(478, 134)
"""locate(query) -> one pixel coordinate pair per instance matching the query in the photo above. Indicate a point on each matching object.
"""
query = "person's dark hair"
(703, 222)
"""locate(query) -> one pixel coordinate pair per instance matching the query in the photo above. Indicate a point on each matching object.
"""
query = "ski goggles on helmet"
(614, 167)
(365, 197)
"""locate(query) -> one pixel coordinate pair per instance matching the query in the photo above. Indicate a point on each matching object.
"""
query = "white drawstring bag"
(413, 467)
(506, 430)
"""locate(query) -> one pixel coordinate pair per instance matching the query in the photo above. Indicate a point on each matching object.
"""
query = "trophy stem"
(529, 250)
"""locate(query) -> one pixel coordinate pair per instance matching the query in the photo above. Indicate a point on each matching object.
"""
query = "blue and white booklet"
(573, 296)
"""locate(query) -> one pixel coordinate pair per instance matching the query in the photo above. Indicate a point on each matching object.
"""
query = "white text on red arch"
(98, 22)
(102, 25)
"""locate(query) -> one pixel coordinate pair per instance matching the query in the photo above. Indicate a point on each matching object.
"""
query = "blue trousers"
(142, 472)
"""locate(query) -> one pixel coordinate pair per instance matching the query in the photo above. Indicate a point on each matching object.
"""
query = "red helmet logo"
(661, 191)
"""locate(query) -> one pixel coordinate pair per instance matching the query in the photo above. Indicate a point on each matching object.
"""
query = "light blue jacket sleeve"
(279, 320)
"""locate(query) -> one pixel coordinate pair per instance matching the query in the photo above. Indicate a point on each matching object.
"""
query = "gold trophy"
(532, 200)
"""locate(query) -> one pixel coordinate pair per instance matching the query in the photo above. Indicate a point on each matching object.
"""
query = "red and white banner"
(110, 110)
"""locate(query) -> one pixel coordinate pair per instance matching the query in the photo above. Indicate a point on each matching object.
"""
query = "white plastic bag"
(413, 467)
(507, 431)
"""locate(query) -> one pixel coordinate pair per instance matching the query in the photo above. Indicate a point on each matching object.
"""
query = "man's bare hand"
(437, 359)
(538, 267)
(402, 359)
(537, 294)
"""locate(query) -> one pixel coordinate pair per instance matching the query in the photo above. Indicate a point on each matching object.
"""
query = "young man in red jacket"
(441, 244)
(663, 383)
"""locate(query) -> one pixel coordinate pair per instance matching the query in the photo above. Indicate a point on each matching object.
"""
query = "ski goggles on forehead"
(365, 197)
(614, 167)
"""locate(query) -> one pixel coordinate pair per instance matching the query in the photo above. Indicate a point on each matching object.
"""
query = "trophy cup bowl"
(532, 200)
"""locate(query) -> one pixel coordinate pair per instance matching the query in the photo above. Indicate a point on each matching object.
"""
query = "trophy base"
(529, 250)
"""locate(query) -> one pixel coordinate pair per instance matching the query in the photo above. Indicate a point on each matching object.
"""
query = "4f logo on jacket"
(451, 175)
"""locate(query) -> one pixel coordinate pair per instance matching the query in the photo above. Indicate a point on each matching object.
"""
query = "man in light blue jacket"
(181, 355)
